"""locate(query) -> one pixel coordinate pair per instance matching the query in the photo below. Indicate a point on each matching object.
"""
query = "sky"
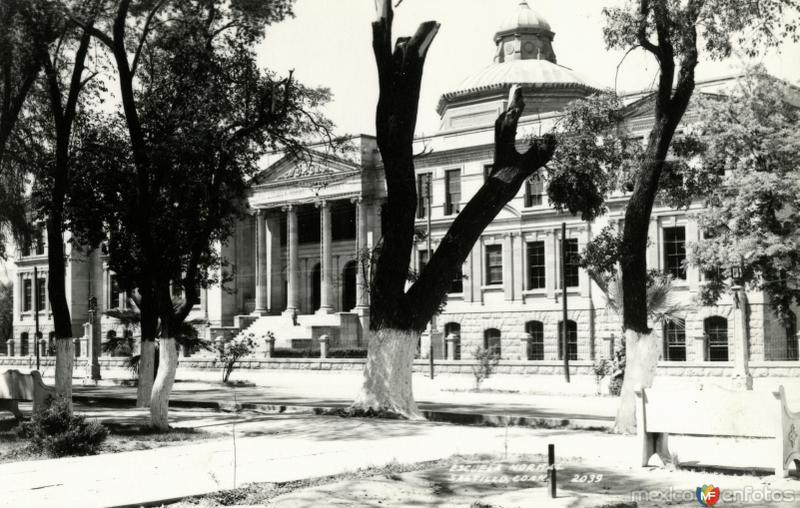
(329, 44)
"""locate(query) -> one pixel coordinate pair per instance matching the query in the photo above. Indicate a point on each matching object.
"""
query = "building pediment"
(291, 170)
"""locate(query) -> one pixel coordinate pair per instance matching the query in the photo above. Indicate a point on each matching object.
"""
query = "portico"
(315, 223)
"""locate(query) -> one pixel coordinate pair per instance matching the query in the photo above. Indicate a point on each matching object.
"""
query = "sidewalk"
(282, 448)
(337, 389)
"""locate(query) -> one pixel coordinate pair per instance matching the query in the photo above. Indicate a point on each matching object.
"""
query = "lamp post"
(741, 331)
(429, 246)
(36, 315)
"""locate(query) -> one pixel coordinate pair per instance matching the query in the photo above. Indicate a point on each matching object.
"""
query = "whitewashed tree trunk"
(144, 389)
(65, 354)
(165, 378)
(388, 373)
(642, 352)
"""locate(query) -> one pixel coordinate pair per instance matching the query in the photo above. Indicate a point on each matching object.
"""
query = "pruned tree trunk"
(642, 354)
(159, 402)
(387, 374)
(65, 352)
(671, 102)
(144, 389)
(397, 316)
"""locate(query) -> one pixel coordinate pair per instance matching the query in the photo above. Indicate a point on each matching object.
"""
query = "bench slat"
(712, 413)
(16, 386)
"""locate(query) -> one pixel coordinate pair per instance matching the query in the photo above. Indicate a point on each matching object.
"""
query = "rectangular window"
(536, 267)
(533, 192)
(41, 294)
(113, 293)
(27, 295)
(572, 279)
(457, 286)
(423, 190)
(452, 182)
(494, 264)
(675, 252)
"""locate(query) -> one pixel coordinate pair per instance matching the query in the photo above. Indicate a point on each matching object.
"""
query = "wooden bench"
(16, 386)
(718, 412)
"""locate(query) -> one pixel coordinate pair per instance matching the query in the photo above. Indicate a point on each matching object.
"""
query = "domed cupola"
(524, 36)
(525, 57)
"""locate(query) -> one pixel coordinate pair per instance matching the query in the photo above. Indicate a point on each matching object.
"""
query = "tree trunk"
(642, 352)
(388, 372)
(65, 352)
(159, 402)
(144, 388)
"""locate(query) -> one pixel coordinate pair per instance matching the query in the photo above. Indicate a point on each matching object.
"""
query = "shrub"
(601, 368)
(617, 371)
(232, 351)
(348, 353)
(57, 433)
(487, 363)
(294, 353)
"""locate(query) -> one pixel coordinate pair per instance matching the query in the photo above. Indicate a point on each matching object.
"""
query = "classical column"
(293, 268)
(362, 291)
(326, 260)
(551, 263)
(274, 275)
(261, 258)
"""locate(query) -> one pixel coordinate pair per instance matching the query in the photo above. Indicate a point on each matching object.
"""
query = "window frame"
(452, 206)
(491, 343)
(674, 335)
(540, 270)
(671, 252)
(572, 340)
(572, 272)
(715, 346)
(536, 342)
(489, 250)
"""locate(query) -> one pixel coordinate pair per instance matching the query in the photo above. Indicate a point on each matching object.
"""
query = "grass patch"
(359, 413)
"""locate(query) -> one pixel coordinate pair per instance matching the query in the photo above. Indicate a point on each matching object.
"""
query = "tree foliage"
(747, 171)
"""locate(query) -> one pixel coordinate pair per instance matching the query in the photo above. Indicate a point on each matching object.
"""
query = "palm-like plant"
(661, 306)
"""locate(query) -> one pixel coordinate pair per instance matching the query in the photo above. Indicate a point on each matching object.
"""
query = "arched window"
(452, 329)
(491, 341)
(675, 341)
(716, 331)
(572, 340)
(536, 343)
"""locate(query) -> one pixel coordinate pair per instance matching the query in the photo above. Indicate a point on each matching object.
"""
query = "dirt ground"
(515, 481)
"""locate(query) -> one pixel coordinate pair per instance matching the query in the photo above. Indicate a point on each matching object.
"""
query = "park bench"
(717, 412)
(16, 386)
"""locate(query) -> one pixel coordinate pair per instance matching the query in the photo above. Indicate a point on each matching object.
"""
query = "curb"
(488, 420)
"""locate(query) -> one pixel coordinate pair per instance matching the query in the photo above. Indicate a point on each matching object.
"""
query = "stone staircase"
(342, 328)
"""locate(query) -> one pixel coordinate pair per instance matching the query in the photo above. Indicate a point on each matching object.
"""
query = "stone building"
(298, 258)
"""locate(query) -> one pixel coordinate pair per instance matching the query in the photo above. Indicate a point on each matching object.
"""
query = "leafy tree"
(26, 28)
(678, 34)
(198, 116)
(746, 169)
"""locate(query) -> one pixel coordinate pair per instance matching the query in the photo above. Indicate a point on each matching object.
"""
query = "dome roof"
(524, 19)
(523, 72)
